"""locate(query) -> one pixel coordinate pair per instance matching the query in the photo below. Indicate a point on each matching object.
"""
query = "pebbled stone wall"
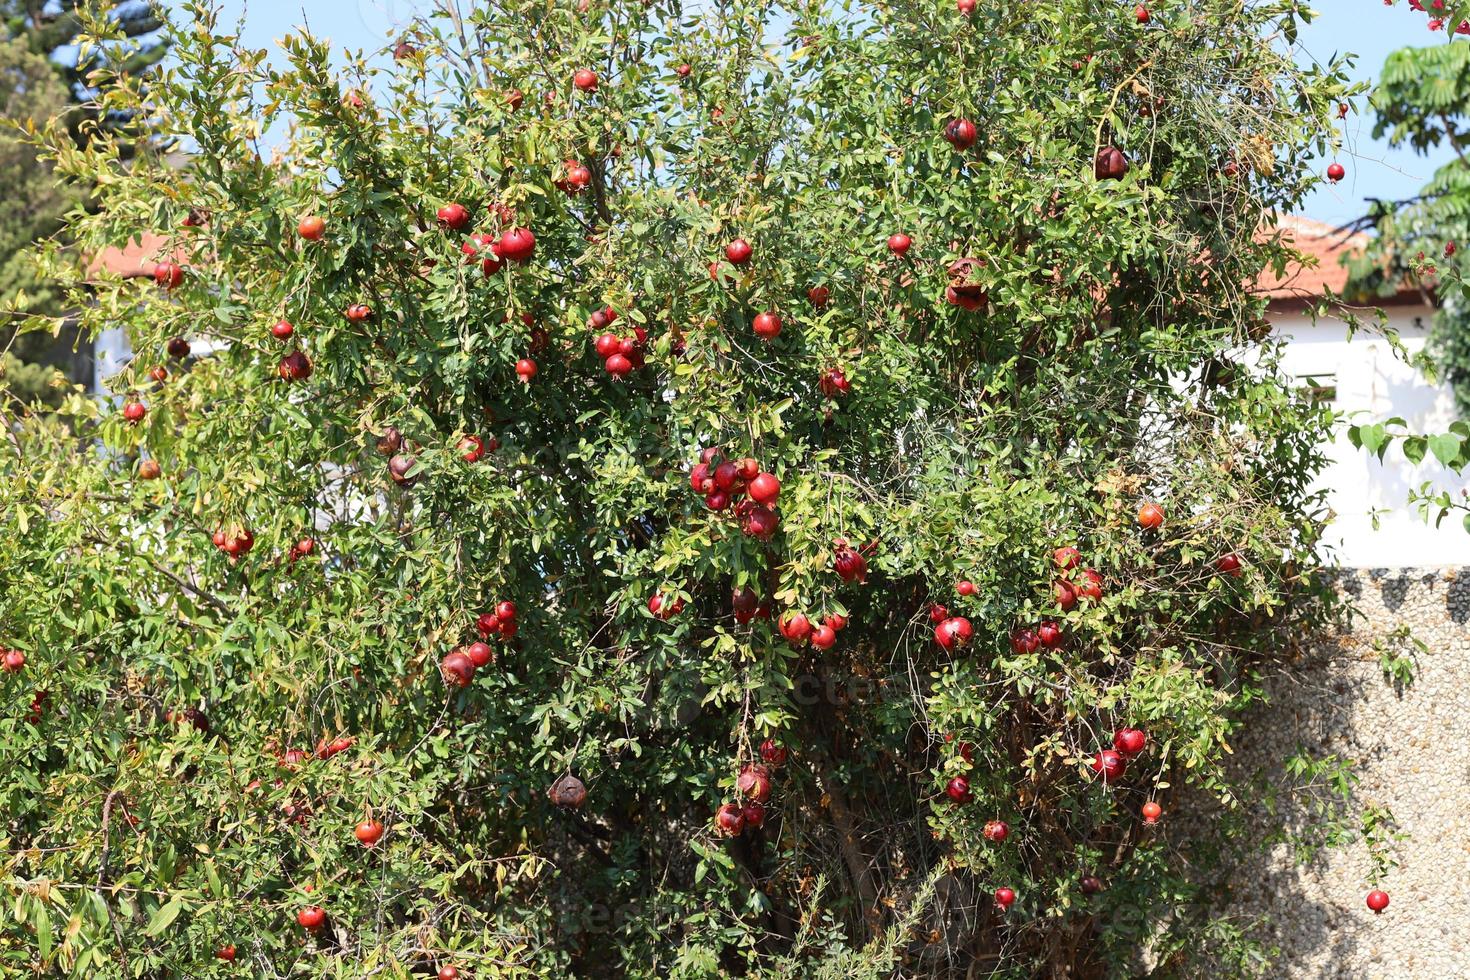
(1411, 746)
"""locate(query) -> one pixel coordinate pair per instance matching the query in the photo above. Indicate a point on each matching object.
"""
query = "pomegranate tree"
(732, 497)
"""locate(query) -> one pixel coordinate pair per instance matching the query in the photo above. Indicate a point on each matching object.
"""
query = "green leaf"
(164, 916)
(1375, 439)
(1446, 448)
(41, 919)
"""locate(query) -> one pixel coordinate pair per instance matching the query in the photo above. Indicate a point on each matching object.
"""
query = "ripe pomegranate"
(738, 251)
(1024, 641)
(965, 7)
(168, 275)
(526, 369)
(453, 216)
(311, 227)
(764, 489)
(683, 70)
(743, 602)
(960, 133)
(159, 373)
(1049, 634)
(1151, 812)
(759, 522)
(134, 412)
(1066, 595)
(1109, 765)
(149, 469)
(661, 608)
(953, 632)
(727, 475)
(369, 832)
(730, 819)
(389, 441)
(754, 814)
(1066, 558)
(398, 468)
(898, 243)
(606, 344)
(13, 661)
(295, 366)
(518, 244)
(837, 621)
(795, 627)
(823, 637)
(965, 587)
(311, 917)
(1129, 741)
(767, 325)
(226, 953)
(480, 653)
(938, 613)
(358, 313)
(568, 792)
(1150, 516)
(773, 753)
(514, 98)
(585, 79)
(850, 565)
(1377, 901)
(471, 448)
(1335, 172)
(1228, 565)
(1090, 585)
(754, 782)
(958, 790)
(833, 382)
(578, 178)
(1110, 164)
(818, 296)
(458, 669)
(964, 289)
(448, 973)
(1004, 898)
(282, 330)
(1090, 884)
(178, 348)
(995, 831)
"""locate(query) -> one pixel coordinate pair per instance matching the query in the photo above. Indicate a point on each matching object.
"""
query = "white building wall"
(111, 353)
(1369, 378)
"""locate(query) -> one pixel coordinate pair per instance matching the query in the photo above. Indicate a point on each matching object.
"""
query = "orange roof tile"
(136, 259)
(1316, 241)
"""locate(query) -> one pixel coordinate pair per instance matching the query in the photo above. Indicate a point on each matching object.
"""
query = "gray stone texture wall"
(1411, 746)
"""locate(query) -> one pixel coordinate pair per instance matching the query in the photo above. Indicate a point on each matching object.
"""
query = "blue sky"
(1364, 27)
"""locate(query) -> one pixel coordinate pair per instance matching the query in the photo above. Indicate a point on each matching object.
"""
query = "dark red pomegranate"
(1109, 164)
(965, 289)
(568, 792)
